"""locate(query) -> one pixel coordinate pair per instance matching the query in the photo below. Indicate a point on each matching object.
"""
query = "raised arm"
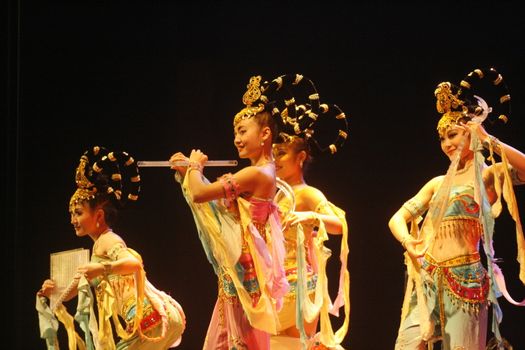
(515, 157)
(411, 210)
(252, 180)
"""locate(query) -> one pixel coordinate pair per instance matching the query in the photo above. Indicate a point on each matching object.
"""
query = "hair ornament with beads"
(102, 172)
(326, 133)
(465, 101)
(285, 98)
(295, 105)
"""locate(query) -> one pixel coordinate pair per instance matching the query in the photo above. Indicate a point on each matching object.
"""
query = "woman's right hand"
(47, 288)
(177, 157)
(411, 246)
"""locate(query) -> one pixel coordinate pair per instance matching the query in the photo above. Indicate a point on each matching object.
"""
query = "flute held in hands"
(162, 163)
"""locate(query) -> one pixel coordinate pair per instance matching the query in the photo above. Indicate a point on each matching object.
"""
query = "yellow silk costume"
(305, 264)
(157, 323)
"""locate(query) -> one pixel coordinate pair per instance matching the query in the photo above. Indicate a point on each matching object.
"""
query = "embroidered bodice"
(461, 203)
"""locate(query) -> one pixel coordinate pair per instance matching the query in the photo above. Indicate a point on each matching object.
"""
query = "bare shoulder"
(436, 181)
(248, 172)
(256, 180)
(310, 196)
(110, 239)
(432, 185)
(262, 173)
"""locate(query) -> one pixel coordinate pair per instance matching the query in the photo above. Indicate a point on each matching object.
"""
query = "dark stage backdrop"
(156, 77)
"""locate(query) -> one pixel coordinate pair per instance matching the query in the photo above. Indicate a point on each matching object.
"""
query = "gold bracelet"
(492, 141)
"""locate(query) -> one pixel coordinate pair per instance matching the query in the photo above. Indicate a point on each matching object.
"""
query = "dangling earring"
(98, 225)
(262, 143)
(301, 164)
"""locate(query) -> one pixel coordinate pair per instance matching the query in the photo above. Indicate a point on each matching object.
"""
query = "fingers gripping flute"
(161, 163)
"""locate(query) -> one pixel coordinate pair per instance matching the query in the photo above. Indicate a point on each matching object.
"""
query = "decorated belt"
(457, 261)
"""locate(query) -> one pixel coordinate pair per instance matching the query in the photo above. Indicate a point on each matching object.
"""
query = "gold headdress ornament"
(258, 94)
(253, 94)
(85, 189)
(112, 173)
(450, 105)
(293, 101)
(459, 102)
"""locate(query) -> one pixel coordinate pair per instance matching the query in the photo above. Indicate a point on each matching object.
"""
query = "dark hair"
(293, 102)
(264, 119)
(107, 204)
(489, 84)
(106, 180)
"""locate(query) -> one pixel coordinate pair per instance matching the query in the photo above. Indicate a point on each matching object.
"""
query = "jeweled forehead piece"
(246, 113)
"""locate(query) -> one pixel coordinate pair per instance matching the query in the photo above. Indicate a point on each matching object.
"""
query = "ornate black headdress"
(101, 172)
(456, 102)
(294, 102)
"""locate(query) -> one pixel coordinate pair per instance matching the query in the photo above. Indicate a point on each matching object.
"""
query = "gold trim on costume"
(457, 261)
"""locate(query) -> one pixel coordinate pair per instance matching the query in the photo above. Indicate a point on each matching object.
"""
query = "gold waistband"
(457, 261)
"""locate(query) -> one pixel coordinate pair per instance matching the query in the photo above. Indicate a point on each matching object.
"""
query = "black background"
(155, 77)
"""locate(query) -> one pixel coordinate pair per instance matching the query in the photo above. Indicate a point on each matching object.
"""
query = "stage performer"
(449, 289)
(238, 221)
(106, 181)
(305, 231)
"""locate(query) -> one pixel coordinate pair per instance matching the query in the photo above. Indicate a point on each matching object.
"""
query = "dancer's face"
(451, 140)
(84, 219)
(287, 161)
(247, 138)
